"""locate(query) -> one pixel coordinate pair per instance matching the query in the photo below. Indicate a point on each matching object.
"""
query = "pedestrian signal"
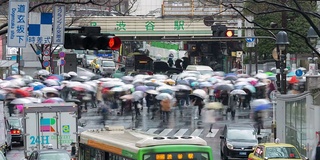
(229, 33)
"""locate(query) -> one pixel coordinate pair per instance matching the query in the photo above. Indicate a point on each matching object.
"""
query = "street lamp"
(313, 64)
(282, 42)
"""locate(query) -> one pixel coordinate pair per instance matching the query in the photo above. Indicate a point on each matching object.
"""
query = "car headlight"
(229, 145)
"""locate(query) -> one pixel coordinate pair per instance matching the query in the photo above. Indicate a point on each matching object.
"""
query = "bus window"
(177, 156)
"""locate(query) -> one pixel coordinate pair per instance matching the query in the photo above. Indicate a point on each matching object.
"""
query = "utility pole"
(281, 57)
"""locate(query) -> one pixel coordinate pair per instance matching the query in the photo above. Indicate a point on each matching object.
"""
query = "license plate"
(242, 153)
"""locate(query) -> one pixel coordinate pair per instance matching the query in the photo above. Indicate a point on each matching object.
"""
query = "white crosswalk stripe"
(181, 132)
(196, 132)
(152, 130)
(165, 132)
(213, 133)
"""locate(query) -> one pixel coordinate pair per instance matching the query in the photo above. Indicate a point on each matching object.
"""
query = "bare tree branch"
(277, 29)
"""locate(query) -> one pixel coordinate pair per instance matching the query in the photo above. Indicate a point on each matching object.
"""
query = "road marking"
(181, 132)
(165, 132)
(213, 134)
(196, 132)
(151, 131)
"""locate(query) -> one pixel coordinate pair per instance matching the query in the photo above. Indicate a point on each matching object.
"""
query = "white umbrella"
(261, 76)
(49, 90)
(241, 83)
(154, 92)
(105, 79)
(258, 102)
(51, 82)
(117, 89)
(163, 96)
(200, 93)
(138, 81)
(242, 80)
(71, 84)
(127, 78)
(137, 95)
(112, 84)
(34, 100)
(160, 77)
(21, 101)
(190, 78)
(260, 84)
(43, 72)
(183, 87)
(205, 84)
(127, 87)
(18, 81)
(166, 87)
(238, 92)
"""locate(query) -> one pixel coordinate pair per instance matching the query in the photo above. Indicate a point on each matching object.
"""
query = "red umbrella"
(293, 80)
(21, 93)
(79, 89)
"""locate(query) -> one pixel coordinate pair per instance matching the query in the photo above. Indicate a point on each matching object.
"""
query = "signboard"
(312, 68)
(58, 24)
(46, 52)
(62, 62)
(299, 72)
(46, 58)
(18, 23)
(249, 40)
(62, 54)
(93, 24)
(46, 63)
(40, 28)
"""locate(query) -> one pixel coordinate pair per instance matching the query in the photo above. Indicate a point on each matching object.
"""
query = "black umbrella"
(78, 79)
(96, 77)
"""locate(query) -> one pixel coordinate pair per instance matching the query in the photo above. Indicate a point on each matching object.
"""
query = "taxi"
(275, 151)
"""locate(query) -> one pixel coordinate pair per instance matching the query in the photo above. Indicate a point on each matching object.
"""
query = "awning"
(6, 63)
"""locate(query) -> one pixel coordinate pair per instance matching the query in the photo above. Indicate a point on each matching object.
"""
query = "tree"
(47, 6)
(298, 17)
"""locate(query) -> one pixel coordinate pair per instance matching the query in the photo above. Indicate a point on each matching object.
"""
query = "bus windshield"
(177, 156)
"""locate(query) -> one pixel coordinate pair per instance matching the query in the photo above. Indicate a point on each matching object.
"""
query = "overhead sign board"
(18, 23)
(40, 28)
(58, 24)
(249, 40)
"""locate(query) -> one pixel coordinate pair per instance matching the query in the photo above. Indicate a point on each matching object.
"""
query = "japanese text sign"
(18, 23)
(58, 24)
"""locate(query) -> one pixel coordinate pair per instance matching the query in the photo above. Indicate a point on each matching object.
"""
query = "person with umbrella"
(177, 63)
(150, 101)
(247, 99)
(197, 101)
(165, 108)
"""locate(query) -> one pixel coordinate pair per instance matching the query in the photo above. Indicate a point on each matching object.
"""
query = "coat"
(165, 105)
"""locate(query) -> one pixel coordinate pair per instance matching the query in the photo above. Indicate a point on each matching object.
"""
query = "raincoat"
(165, 105)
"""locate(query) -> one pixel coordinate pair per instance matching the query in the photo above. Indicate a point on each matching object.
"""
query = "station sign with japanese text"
(18, 23)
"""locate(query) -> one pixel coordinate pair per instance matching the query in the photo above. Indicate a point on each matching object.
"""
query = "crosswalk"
(183, 132)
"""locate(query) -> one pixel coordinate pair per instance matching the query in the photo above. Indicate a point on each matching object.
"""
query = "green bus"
(117, 143)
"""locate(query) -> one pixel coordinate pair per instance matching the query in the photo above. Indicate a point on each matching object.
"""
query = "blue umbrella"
(38, 87)
(184, 82)
(205, 84)
(230, 74)
(262, 107)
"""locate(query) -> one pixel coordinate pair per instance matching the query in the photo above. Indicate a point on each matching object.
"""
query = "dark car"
(237, 141)
(16, 124)
(52, 154)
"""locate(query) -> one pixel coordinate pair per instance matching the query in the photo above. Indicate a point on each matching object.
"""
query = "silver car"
(107, 66)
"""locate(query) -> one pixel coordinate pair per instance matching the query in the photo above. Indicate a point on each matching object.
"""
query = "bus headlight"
(229, 145)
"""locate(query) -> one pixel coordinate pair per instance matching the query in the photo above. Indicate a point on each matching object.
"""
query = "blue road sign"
(62, 62)
(299, 72)
(250, 39)
(45, 63)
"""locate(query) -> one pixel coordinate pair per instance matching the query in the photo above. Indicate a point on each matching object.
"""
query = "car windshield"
(14, 122)
(54, 156)
(282, 153)
(234, 134)
(108, 64)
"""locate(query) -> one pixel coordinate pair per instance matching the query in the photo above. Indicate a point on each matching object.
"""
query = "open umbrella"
(205, 84)
(154, 92)
(141, 88)
(213, 105)
(43, 72)
(54, 100)
(258, 102)
(269, 73)
(199, 93)
(261, 76)
(262, 107)
(21, 101)
(251, 88)
(163, 96)
(21, 93)
(183, 81)
(137, 95)
(51, 82)
(126, 97)
(224, 87)
(238, 92)
(231, 77)
(127, 78)
(117, 89)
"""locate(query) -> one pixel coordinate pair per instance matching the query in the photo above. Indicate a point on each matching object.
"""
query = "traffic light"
(229, 33)
(97, 41)
(221, 31)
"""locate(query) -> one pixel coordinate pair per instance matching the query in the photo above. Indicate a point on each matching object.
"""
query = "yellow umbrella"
(214, 105)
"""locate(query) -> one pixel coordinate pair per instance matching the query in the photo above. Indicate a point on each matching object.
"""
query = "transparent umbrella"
(21, 101)
(162, 96)
(137, 95)
(258, 102)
